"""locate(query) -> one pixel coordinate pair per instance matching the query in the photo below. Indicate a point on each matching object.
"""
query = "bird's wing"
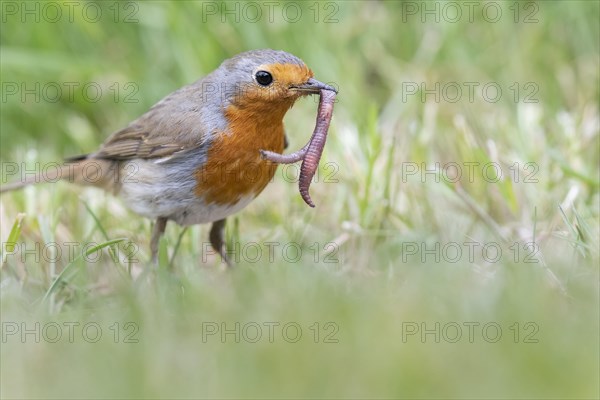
(139, 141)
(178, 123)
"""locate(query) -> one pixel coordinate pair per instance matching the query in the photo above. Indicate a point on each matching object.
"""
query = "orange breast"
(234, 167)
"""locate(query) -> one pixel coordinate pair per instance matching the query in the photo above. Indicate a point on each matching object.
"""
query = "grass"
(400, 254)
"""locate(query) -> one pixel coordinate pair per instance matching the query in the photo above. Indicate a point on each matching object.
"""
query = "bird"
(195, 156)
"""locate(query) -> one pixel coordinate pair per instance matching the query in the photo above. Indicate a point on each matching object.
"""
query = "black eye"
(264, 78)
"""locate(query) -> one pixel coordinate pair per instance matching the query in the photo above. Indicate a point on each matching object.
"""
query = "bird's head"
(266, 79)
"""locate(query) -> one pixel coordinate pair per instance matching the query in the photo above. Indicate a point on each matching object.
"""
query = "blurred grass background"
(375, 286)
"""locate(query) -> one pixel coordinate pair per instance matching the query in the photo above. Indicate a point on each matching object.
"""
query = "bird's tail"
(82, 171)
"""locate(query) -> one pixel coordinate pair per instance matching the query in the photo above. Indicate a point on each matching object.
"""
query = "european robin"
(202, 153)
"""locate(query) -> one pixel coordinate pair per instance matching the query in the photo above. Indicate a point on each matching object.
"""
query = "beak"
(313, 86)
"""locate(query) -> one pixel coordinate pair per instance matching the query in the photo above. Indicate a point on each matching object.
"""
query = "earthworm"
(311, 153)
(285, 158)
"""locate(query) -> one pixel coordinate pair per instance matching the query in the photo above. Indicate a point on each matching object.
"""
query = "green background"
(375, 260)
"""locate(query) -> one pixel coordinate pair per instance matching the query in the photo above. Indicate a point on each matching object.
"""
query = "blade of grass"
(183, 231)
(163, 253)
(13, 236)
(61, 277)
(113, 255)
(96, 220)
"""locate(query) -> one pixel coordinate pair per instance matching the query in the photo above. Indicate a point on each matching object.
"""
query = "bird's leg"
(217, 240)
(157, 232)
